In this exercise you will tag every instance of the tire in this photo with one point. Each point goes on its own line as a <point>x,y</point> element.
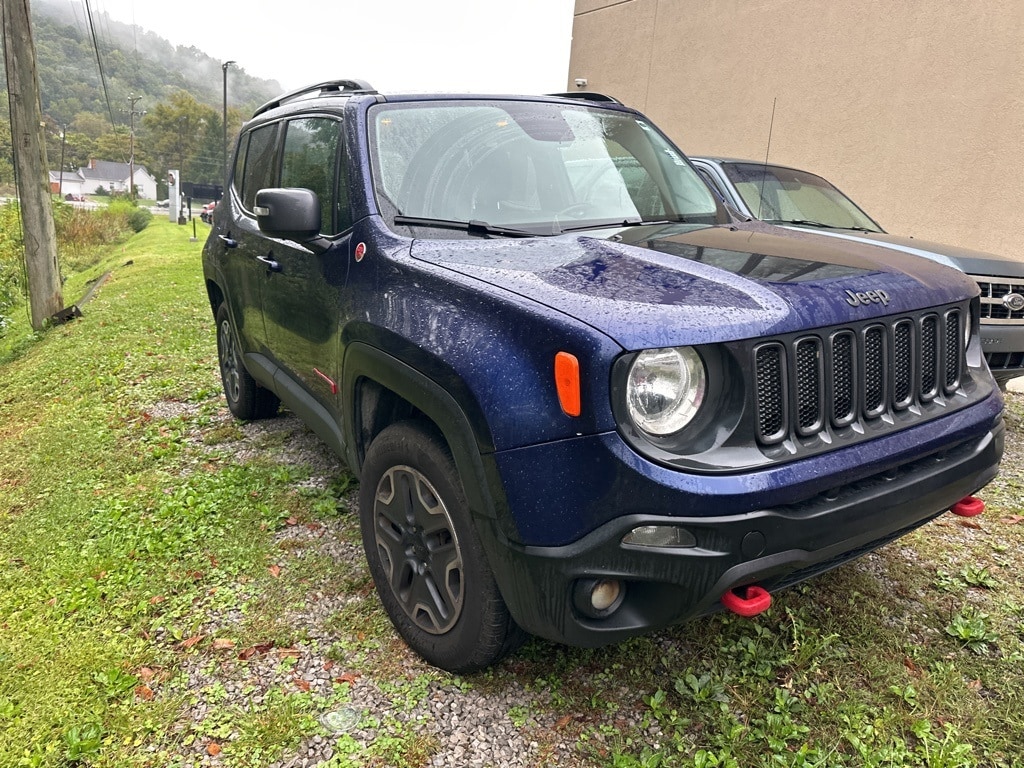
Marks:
<point>416,525</point>
<point>247,400</point>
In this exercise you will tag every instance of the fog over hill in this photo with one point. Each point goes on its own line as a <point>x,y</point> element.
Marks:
<point>134,61</point>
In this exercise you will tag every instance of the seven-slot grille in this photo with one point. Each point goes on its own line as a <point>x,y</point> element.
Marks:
<point>835,377</point>
<point>993,291</point>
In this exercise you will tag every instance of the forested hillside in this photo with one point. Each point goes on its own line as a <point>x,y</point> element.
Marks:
<point>180,89</point>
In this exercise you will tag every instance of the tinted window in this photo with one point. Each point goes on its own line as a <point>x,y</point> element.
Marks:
<point>309,161</point>
<point>260,169</point>
<point>239,171</point>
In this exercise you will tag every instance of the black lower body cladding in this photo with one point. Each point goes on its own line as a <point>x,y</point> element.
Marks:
<point>773,547</point>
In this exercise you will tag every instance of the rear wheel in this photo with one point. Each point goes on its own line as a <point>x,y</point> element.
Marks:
<point>424,554</point>
<point>246,399</point>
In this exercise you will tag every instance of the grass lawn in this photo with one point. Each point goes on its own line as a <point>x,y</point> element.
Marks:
<point>166,574</point>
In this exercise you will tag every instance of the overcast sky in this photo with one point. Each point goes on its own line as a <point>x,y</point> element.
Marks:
<point>513,46</point>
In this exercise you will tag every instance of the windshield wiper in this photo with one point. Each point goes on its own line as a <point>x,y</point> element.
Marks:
<point>623,223</point>
<point>809,223</point>
<point>472,227</point>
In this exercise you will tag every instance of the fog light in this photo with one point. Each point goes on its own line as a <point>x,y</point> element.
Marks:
<point>671,536</point>
<point>605,594</point>
<point>598,598</point>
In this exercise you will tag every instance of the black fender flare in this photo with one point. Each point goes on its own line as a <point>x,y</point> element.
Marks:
<point>467,437</point>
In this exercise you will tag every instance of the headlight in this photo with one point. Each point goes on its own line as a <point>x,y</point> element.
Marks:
<point>665,389</point>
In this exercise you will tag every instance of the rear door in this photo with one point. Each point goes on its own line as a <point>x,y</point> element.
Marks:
<point>243,246</point>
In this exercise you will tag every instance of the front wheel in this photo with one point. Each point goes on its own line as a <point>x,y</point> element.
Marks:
<point>246,399</point>
<point>425,557</point>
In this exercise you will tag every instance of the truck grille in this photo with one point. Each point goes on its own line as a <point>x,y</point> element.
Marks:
<point>833,378</point>
<point>993,292</point>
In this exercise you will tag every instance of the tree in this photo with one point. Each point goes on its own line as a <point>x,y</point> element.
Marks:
<point>178,133</point>
<point>90,124</point>
<point>112,146</point>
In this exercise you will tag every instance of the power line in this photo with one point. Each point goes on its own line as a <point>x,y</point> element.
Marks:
<point>78,20</point>
<point>99,62</point>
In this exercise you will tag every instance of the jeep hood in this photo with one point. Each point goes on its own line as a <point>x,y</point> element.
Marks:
<point>665,285</point>
<point>964,259</point>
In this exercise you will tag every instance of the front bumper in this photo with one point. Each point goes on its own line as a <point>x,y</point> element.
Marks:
<point>775,546</point>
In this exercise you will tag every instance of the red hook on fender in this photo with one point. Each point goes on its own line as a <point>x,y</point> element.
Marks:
<point>968,507</point>
<point>755,600</point>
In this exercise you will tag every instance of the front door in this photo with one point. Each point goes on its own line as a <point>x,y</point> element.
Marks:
<point>304,297</point>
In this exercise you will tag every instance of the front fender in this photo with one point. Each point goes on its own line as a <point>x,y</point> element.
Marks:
<point>459,420</point>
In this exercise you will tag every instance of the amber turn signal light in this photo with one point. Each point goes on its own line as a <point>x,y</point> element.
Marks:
<point>567,382</point>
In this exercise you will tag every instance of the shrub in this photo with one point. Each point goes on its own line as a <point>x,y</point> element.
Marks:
<point>139,219</point>
<point>11,261</point>
<point>133,217</point>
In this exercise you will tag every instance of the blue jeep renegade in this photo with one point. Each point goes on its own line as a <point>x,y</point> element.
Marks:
<point>582,401</point>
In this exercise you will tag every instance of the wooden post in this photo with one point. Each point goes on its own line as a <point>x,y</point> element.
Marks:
<point>40,238</point>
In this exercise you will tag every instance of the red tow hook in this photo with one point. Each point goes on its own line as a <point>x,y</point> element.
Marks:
<point>968,506</point>
<point>755,600</point>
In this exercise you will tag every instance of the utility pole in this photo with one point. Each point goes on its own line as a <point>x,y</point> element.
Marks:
<point>132,100</point>
<point>63,139</point>
<point>40,238</point>
<point>224,152</point>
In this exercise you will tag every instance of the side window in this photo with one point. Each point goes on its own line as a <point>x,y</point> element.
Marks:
<point>260,169</point>
<point>239,170</point>
<point>310,161</point>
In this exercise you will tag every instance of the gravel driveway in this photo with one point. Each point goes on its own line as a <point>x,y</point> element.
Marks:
<point>464,725</point>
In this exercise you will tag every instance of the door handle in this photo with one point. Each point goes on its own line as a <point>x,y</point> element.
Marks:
<point>272,266</point>
<point>228,241</point>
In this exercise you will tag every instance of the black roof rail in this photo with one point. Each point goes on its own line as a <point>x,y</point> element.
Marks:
<point>320,89</point>
<point>587,96</point>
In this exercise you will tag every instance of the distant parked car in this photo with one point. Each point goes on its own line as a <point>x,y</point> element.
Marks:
<point>791,197</point>
<point>207,212</point>
<point>163,203</point>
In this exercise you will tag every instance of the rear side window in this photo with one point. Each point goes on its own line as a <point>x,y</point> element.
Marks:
<point>239,170</point>
<point>260,169</point>
<point>310,161</point>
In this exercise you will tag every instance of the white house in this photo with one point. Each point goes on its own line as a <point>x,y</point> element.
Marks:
<point>68,184</point>
<point>111,176</point>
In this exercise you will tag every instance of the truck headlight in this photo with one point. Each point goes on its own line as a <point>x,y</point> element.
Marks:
<point>665,389</point>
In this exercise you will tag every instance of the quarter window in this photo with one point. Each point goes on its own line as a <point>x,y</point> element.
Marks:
<point>239,171</point>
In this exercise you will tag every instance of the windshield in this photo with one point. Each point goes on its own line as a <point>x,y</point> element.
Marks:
<point>537,167</point>
<point>784,195</point>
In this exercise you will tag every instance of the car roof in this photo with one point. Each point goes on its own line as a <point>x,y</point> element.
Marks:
<point>334,94</point>
<point>718,160</point>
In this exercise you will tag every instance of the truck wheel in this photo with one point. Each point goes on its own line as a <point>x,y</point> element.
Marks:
<point>246,399</point>
<point>424,554</point>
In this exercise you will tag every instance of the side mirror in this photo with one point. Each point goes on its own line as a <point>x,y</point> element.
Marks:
<point>291,214</point>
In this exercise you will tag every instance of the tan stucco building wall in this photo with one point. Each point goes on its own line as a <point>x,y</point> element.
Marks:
<point>914,108</point>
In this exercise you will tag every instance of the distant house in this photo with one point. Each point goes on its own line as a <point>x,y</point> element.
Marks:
<point>70,184</point>
<point>110,176</point>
